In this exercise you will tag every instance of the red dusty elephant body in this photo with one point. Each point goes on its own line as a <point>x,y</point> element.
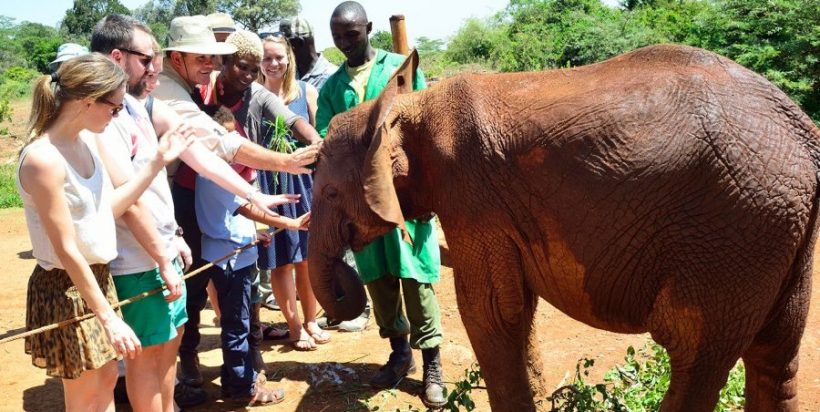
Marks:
<point>666,190</point>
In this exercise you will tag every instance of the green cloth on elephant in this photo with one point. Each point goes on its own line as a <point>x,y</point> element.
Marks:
<point>388,254</point>
<point>338,96</point>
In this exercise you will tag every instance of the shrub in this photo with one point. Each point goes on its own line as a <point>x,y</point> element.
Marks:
<point>637,385</point>
<point>8,188</point>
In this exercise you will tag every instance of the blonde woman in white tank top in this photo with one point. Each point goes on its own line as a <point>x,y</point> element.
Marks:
<point>70,208</point>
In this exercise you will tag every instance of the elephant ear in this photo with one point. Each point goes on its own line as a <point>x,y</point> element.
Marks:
<point>377,173</point>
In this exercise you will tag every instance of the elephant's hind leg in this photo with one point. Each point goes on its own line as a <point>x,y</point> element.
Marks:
<point>697,380</point>
<point>771,361</point>
<point>497,310</point>
<point>702,349</point>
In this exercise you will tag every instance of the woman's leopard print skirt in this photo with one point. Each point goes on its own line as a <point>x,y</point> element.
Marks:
<point>69,350</point>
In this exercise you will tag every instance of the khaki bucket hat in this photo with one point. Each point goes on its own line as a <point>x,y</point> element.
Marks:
<point>192,34</point>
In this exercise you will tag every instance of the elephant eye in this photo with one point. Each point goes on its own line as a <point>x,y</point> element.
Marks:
<point>330,193</point>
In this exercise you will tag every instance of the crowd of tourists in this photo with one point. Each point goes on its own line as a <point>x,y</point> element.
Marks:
<point>144,163</point>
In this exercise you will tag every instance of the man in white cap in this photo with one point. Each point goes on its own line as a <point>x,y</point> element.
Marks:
<point>189,62</point>
<point>65,52</point>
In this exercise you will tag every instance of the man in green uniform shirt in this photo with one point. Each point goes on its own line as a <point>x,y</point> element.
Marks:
<point>390,267</point>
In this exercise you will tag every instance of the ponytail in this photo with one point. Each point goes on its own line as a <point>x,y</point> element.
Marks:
<point>88,76</point>
<point>44,106</point>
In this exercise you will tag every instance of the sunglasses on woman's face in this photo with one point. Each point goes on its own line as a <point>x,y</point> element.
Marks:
<point>115,108</point>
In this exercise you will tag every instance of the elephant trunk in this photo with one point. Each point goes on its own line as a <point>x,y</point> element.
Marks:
<point>336,285</point>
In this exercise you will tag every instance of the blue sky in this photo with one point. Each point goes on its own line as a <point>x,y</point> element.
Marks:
<point>435,19</point>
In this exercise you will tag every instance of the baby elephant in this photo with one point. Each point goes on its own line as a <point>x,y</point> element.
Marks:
<point>667,190</point>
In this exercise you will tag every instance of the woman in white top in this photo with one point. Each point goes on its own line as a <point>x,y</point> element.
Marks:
<point>70,208</point>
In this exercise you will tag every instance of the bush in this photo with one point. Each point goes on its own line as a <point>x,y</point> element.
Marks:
<point>334,55</point>
<point>16,82</point>
<point>637,385</point>
<point>8,188</point>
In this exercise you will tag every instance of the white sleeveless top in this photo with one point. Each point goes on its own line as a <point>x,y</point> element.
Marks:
<point>89,201</point>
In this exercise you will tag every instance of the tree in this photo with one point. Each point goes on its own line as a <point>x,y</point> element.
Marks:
<point>157,14</point>
<point>194,7</point>
<point>39,43</point>
<point>474,42</point>
<point>426,45</point>
<point>382,40</point>
<point>778,39</point>
<point>79,21</point>
<point>257,14</point>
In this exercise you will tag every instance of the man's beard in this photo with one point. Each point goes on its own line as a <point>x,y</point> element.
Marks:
<point>137,89</point>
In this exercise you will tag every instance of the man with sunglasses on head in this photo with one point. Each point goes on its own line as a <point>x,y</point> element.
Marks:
<point>149,253</point>
<point>150,233</point>
<point>311,67</point>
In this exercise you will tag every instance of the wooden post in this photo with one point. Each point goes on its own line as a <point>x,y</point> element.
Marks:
<point>399,32</point>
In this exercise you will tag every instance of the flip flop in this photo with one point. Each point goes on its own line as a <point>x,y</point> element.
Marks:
<point>321,337</point>
<point>306,344</point>
<point>271,332</point>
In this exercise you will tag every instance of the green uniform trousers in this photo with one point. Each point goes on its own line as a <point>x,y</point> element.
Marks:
<point>423,320</point>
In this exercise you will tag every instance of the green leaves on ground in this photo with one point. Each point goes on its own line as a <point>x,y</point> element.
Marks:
<point>637,385</point>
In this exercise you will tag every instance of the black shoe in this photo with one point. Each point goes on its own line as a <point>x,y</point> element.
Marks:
<point>120,391</point>
<point>186,396</point>
<point>399,365</point>
<point>189,370</point>
<point>433,396</point>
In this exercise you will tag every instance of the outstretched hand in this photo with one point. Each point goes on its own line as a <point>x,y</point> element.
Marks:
<point>174,142</point>
<point>266,202</point>
<point>303,221</point>
<point>302,157</point>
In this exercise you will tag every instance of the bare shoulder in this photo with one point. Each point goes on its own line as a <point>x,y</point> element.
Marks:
<point>38,166</point>
<point>311,91</point>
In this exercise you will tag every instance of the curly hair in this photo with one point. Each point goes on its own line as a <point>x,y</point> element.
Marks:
<point>247,45</point>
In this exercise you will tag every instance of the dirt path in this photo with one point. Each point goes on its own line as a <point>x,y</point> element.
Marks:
<point>329,379</point>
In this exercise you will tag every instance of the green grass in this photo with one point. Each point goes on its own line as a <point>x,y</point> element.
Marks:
<point>8,189</point>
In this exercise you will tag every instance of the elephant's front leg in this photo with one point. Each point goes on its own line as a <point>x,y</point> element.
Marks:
<point>497,310</point>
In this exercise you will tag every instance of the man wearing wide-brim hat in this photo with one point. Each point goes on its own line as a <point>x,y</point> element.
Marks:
<point>222,25</point>
<point>188,63</point>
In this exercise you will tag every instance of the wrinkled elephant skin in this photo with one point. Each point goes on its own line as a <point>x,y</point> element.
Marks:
<point>666,190</point>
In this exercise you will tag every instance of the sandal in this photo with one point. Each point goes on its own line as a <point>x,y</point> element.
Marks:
<point>305,344</point>
<point>271,332</point>
<point>321,337</point>
<point>263,396</point>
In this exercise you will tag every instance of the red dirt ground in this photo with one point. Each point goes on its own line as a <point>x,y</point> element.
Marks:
<point>329,379</point>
